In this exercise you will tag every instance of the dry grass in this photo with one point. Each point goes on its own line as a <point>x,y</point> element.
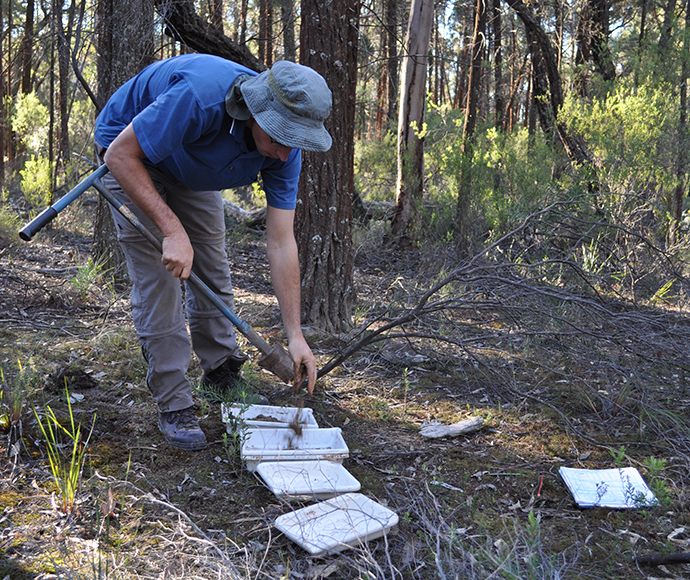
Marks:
<point>571,356</point>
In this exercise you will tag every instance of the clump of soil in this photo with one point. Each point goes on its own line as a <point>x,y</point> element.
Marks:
<point>72,378</point>
<point>266,418</point>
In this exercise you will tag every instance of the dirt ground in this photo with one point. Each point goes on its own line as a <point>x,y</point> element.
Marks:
<point>490,504</point>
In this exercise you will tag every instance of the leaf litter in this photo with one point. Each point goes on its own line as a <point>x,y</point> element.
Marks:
<point>542,403</point>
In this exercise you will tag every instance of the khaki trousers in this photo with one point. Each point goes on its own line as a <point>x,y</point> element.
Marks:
<point>158,308</point>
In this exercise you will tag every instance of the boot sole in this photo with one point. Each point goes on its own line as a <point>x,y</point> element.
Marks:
<point>188,446</point>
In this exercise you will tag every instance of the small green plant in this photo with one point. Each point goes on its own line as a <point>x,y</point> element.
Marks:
<point>13,395</point>
<point>658,486</point>
<point>9,222</point>
<point>236,433</point>
<point>87,275</point>
<point>66,466</point>
<point>654,466</point>
<point>522,555</point>
<point>379,410</point>
<point>232,443</point>
<point>663,294</point>
<point>618,455</point>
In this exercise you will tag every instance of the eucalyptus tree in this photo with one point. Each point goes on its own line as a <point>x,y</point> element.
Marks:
<point>328,43</point>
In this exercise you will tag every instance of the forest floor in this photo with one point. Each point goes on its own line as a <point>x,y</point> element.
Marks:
<point>490,504</point>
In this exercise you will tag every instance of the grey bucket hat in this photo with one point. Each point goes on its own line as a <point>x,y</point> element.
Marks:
<point>290,102</point>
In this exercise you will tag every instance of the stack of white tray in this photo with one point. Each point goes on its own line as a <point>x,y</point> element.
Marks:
<point>298,460</point>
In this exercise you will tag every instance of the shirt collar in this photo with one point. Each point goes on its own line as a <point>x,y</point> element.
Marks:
<point>237,129</point>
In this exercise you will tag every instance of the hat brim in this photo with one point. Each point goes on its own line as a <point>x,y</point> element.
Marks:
<point>281,123</point>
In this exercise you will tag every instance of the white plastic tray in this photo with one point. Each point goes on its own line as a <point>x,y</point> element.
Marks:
<point>336,524</point>
<point>285,445</point>
<point>267,416</point>
<point>307,479</point>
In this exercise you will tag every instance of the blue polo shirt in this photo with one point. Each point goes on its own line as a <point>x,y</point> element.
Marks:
<point>177,109</point>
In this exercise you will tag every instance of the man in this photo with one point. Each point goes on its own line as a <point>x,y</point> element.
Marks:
<point>173,137</point>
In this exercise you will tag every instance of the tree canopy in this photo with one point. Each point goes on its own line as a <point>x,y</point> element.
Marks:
<point>522,102</point>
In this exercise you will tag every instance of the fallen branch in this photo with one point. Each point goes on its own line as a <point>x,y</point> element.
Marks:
<point>660,559</point>
<point>435,430</point>
<point>253,218</point>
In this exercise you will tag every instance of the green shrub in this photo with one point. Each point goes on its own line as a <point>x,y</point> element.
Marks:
<point>30,120</point>
<point>36,182</point>
<point>631,134</point>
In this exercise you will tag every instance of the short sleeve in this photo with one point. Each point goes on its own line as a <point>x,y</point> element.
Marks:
<point>173,119</point>
<point>280,181</point>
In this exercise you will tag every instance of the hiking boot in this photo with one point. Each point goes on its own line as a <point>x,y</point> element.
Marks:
<point>226,376</point>
<point>181,429</point>
<point>223,384</point>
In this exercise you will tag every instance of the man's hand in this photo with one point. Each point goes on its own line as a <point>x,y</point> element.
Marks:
<point>305,363</point>
<point>125,160</point>
<point>178,255</point>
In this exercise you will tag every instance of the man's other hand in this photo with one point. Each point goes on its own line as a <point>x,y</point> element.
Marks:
<point>305,363</point>
<point>178,255</point>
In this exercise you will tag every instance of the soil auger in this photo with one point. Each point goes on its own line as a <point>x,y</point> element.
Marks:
<point>275,358</point>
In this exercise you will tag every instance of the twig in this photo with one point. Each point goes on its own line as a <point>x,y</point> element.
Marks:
<point>149,497</point>
<point>660,559</point>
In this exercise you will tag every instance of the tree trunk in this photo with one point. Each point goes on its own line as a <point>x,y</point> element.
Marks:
<point>76,67</point>
<point>392,9</point>
<point>243,23</point>
<point>436,61</point>
<point>465,59</point>
<point>592,40</point>
<point>497,46</point>
<point>27,48</point>
<point>63,50</point>
<point>558,9</point>
<point>548,89</point>
<point>583,53</point>
<point>287,17</point>
<point>410,179</point>
<point>601,53</point>
<point>51,98</point>
<point>266,32</point>
<point>468,130</point>
<point>640,40</point>
<point>9,149</point>
<point>3,92</point>
<point>328,40</point>
<point>189,28</point>
<point>382,116</point>
<point>475,75</point>
<point>124,36</point>
<point>666,33</point>
<point>263,34</point>
<point>682,162</point>
<point>643,22</point>
<point>532,108</point>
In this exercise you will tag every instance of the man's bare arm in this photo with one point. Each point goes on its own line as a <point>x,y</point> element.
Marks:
<point>124,159</point>
<point>284,262</point>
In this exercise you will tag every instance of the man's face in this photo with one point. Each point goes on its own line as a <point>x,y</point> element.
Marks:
<point>267,146</point>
